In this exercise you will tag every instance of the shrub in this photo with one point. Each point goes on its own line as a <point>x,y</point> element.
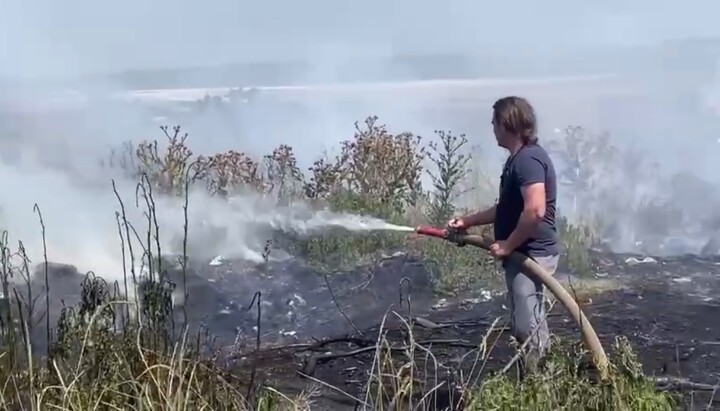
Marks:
<point>576,241</point>
<point>563,384</point>
<point>226,173</point>
<point>451,169</point>
<point>379,165</point>
<point>376,173</point>
<point>166,171</point>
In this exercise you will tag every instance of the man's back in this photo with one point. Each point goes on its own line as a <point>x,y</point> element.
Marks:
<point>531,164</point>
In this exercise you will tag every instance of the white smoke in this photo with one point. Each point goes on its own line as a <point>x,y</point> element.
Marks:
<point>82,226</point>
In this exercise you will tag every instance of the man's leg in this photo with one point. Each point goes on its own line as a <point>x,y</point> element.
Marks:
<point>527,306</point>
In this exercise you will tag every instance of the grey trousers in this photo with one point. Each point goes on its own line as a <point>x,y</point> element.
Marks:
<point>527,305</point>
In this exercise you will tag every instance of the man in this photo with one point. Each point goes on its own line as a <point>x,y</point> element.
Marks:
<point>524,218</point>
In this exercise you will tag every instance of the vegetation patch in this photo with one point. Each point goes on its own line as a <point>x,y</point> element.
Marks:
<point>563,383</point>
<point>109,353</point>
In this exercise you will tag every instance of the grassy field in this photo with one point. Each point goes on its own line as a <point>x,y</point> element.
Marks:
<point>108,353</point>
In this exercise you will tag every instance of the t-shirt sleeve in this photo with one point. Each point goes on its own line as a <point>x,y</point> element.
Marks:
<point>529,170</point>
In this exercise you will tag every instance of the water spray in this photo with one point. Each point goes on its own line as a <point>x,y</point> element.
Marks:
<point>533,269</point>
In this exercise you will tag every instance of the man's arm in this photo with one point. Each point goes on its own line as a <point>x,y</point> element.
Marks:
<point>481,217</point>
<point>530,173</point>
<point>533,213</point>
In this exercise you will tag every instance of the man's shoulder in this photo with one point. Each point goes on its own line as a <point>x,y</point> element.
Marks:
<point>533,152</point>
<point>533,163</point>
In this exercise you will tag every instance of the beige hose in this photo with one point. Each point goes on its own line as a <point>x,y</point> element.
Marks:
<point>532,268</point>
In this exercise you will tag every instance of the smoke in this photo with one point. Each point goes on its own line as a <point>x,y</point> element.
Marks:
<point>82,225</point>
<point>238,228</point>
<point>66,74</point>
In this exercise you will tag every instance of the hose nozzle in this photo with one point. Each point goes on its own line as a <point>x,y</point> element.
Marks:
<point>432,231</point>
<point>448,234</point>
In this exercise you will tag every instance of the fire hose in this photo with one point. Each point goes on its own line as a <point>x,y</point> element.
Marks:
<point>534,270</point>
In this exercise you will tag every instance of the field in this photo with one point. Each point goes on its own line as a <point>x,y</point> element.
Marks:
<point>580,98</point>
<point>317,349</point>
<point>430,89</point>
<point>339,319</point>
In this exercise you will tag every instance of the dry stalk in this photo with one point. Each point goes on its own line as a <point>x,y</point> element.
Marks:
<point>339,307</point>
<point>126,224</point>
<point>47,279</point>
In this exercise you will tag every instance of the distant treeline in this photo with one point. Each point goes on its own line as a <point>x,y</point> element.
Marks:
<point>694,56</point>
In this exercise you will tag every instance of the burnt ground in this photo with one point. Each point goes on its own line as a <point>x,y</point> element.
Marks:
<point>667,308</point>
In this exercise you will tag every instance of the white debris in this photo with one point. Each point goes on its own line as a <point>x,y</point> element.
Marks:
<point>288,333</point>
<point>217,261</point>
<point>485,295</point>
<point>633,260</point>
<point>393,255</point>
<point>442,303</point>
<point>471,301</point>
<point>682,279</point>
<point>301,301</point>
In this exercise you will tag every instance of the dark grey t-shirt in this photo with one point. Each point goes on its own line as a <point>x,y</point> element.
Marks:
<point>531,164</point>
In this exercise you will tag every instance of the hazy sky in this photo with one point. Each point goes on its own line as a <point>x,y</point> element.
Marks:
<point>67,36</point>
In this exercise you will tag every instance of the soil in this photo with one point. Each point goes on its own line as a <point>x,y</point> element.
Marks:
<point>668,309</point>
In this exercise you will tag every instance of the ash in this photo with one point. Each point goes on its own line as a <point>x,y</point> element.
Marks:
<point>297,302</point>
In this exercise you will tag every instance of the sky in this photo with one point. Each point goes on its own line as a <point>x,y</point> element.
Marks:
<point>40,37</point>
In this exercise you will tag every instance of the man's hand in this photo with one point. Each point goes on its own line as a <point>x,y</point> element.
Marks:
<point>457,223</point>
<point>500,249</point>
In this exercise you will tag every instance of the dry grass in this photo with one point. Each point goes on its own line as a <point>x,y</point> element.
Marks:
<point>406,375</point>
<point>111,354</point>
